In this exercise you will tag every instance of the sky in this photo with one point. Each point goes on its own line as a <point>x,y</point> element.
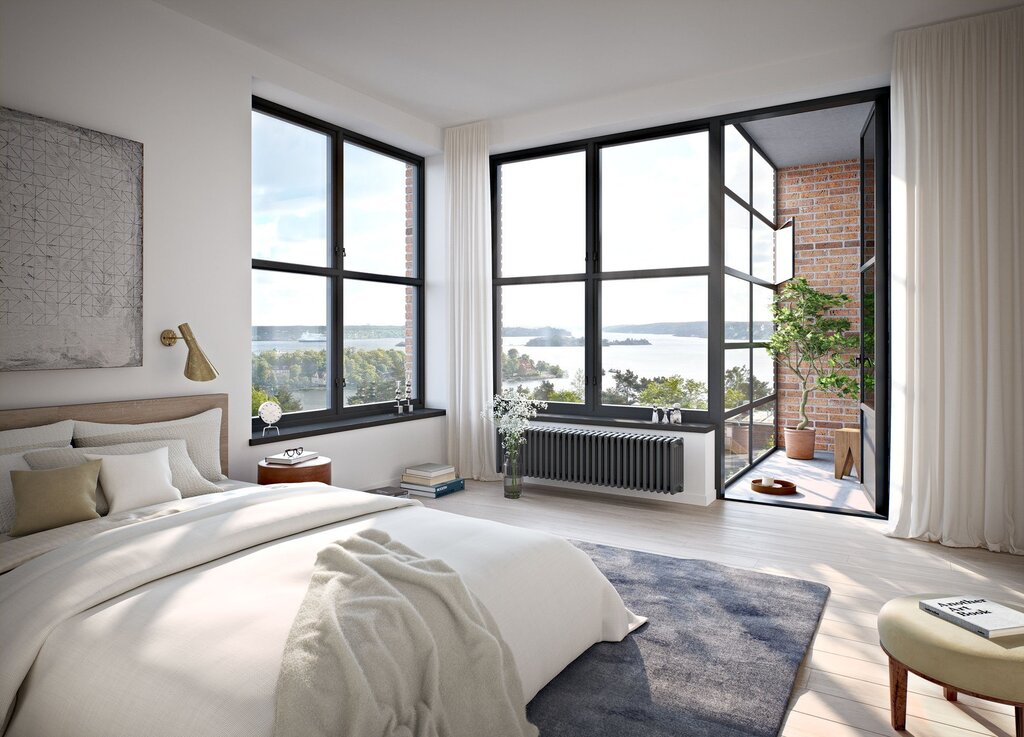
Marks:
<point>290,223</point>
<point>653,215</point>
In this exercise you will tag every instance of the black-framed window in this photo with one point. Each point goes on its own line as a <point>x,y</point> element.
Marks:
<point>754,264</point>
<point>337,269</point>
<point>601,273</point>
<point>563,259</point>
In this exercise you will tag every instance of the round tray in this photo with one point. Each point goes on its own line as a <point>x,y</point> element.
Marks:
<point>781,488</point>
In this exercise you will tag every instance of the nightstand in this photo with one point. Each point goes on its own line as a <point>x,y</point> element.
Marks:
<point>317,469</point>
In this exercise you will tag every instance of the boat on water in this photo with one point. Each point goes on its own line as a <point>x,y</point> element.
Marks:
<point>309,337</point>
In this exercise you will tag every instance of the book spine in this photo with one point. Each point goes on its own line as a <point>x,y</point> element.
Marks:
<point>424,481</point>
<point>433,494</point>
<point>456,485</point>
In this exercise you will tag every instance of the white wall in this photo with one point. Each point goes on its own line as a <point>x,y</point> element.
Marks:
<point>135,69</point>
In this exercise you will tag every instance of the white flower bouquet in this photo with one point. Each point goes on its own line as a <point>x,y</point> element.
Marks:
<point>511,413</point>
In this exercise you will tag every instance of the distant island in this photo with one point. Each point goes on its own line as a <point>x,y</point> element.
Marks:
<point>512,332</point>
<point>734,329</point>
<point>351,332</point>
<point>558,341</point>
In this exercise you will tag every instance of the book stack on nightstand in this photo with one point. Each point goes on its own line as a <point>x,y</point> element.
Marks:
<point>432,480</point>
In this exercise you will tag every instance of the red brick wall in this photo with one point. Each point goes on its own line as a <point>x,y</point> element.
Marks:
<point>825,201</point>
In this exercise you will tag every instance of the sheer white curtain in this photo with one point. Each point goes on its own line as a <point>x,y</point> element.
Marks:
<point>471,447</point>
<point>958,281</point>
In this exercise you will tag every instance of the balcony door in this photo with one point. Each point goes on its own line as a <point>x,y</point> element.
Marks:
<point>874,275</point>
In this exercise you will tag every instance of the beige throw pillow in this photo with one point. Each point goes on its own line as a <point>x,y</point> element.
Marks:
<point>47,499</point>
<point>184,474</point>
<point>200,432</point>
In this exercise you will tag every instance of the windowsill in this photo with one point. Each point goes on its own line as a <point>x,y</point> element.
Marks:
<point>695,427</point>
<point>349,423</point>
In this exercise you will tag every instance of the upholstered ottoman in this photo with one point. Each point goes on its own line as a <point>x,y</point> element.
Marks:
<point>943,653</point>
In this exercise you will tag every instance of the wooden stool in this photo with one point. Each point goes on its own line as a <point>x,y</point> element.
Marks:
<point>950,656</point>
<point>847,444</point>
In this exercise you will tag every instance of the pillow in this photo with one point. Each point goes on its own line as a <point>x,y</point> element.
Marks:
<point>201,434</point>
<point>184,475</point>
<point>47,499</point>
<point>136,481</point>
<point>8,463</point>
<point>57,435</point>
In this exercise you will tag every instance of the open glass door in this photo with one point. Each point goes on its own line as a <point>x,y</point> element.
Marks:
<point>873,358</point>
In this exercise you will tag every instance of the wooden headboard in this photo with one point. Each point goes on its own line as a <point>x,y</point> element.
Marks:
<point>130,411</point>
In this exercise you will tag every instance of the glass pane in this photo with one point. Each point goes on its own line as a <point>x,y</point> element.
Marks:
<point>289,192</point>
<point>379,213</point>
<point>378,342</point>
<point>737,310</point>
<point>867,191</point>
<point>654,204</point>
<point>763,250</point>
<point>784,253</point>
<point>737,378</point>
<point>763,325</point>
<point>737,236</point>
<point>289,340</point>
<point>764,374</point>
<point>542,217</point>
<point>868,335</point>
<point>542,348</point>
<point>654,342</point>
<point>764,187</point>
<point>762,432</point>
<point>737,444</point>
<point>737,163</point>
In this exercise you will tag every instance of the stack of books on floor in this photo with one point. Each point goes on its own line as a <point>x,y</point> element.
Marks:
<point>432,479</point>
<point>389,491</point>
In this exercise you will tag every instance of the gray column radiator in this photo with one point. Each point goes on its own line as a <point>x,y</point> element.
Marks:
<point>605,458</point>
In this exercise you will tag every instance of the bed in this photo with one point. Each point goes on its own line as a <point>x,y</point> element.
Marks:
<point>173,618</point>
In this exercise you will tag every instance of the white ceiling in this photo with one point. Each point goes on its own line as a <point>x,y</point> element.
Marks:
<point>814,137</point>
<point>455,61</point>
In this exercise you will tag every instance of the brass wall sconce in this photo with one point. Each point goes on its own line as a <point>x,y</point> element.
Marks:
<point>197,365</point>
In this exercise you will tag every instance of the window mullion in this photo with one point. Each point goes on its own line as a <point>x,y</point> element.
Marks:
<point>335,362</point>
<point>591,299</point>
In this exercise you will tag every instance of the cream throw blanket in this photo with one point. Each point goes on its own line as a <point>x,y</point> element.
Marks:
<point>388,642</point>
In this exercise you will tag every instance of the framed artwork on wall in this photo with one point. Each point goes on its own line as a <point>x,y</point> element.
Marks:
<point>70,246</point>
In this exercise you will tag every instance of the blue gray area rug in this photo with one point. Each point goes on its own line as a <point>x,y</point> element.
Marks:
<point>718,657</point>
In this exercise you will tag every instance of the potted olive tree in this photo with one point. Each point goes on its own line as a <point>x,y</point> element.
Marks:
<point>812,343</point>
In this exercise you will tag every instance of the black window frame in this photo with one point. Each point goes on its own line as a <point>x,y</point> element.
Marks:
<point>715,415</point>
<point>749,345</point>
<point>593,277</point>
<point>335,273</point>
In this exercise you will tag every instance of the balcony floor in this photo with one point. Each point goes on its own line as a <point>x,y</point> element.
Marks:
<point>815,482</point>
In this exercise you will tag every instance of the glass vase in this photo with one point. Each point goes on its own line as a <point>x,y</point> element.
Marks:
<point>513,476</point>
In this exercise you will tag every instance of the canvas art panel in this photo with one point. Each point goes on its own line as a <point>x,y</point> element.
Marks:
<point>70,246</point>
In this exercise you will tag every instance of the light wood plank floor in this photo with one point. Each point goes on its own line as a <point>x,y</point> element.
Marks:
<point>842,689</point>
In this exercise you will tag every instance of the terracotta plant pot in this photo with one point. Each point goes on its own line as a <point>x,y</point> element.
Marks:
<point>799,443</point>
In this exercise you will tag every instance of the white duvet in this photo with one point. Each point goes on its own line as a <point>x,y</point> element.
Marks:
<point>176,625</point>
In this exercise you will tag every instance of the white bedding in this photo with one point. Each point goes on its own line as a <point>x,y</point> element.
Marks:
<point>186,634</point>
